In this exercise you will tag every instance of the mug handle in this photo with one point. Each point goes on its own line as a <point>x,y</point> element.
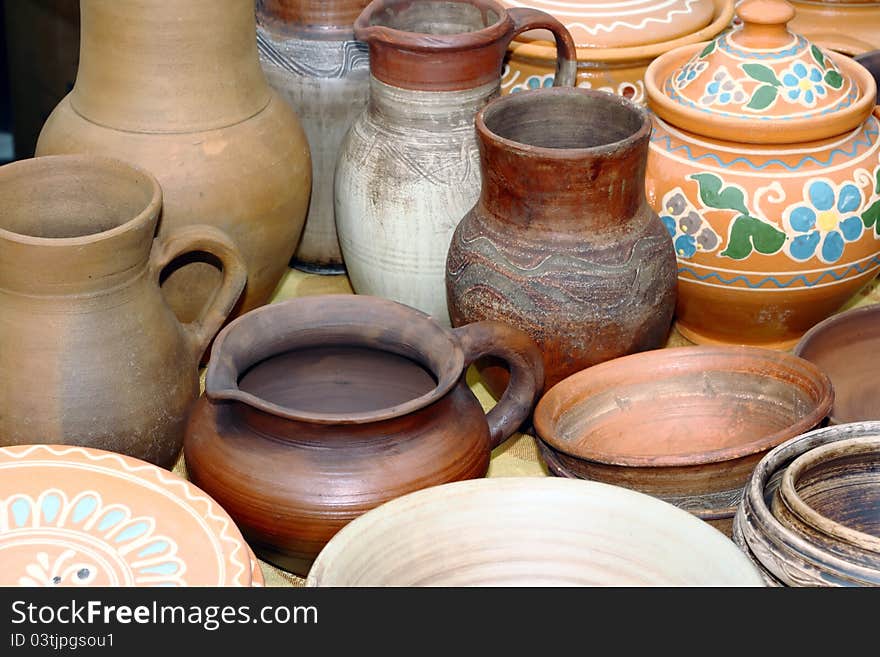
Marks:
<point>566,52</point>
<point>214,241</point>
<point>526,364</point>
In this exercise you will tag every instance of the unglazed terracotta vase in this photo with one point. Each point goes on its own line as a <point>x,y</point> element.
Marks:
<point>848,26</point>
<point>846,346</point>
<point>686,425</point>
<point>530,531</point>
<point>311,58</point>
<point>765,167</point>
<point>92,353</point>
<point>176,88</point>
<point>79,517</point>
<point>809,515</point>
<point>409,168</point>
<point>615,44</point>
<point>562,242</point>
<point>321,408</point>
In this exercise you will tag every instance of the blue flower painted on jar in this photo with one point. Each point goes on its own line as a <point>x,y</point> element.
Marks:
<point>687,228</point>
<point>534,82</point>
<point>690,71</point>
<point>825,222</point>
<point>803,84</point>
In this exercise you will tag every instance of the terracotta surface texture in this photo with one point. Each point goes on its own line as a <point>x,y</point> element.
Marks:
<point>176,88</point>
<point>530,532</point>
<point>586,269</point>
<point>615,44</point>
<point>71,516</point>
<point>293,459</point>
<point>409,169</point>
<point>851,27</point>
<point>99,358</point>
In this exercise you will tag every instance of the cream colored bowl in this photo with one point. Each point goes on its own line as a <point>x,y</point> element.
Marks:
<point>530,532</point>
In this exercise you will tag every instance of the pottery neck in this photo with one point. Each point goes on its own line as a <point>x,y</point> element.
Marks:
<point>557,187</point>
<point>168,66</point>
<point>441,112</point>
<point>315,19</point>
<point>74,224</point>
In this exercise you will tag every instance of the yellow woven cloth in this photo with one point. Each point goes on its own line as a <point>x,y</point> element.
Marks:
<point>517,457</point>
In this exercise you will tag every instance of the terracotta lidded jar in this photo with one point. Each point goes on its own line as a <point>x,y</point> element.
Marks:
<point>311,58</point>
<point>321,408</point>
<point>615,41</point>
<point>176,88</point>
<point>409,169</point>
<point>92,353</point>
<point>562,242</point>
<point>765,168</point>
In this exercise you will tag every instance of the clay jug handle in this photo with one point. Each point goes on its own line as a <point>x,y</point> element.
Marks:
<point>526,364</point>
<point>566,51</point>
<point>214,241</point>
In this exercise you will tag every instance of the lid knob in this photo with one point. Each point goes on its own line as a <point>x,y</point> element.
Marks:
<point>764,24</point>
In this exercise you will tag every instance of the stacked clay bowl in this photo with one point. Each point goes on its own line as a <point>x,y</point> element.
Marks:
<point>846,347</point>
<point>809,516</point>
<point>529,532</point>
<point>615,45</point>
<point>687,425</point>
<point>74,516</point>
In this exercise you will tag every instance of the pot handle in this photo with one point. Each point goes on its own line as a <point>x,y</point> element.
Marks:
<point>566,51</point>
<point>214,241</point>
<point>526,364</point>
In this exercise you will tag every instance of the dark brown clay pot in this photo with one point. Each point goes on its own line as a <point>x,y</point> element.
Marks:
<point>846,347</point>
<point>871,61</point>
<point>562,242</point>
<point>809,513</point>
<point>91,353</point>
<point>686,425</point>
<point>321,408</point>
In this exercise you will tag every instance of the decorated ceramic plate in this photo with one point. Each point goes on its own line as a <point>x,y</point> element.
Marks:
<point>72,516</point>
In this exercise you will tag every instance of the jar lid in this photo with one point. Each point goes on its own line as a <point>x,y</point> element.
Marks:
<point>626,23</point>
<point>759,83</point>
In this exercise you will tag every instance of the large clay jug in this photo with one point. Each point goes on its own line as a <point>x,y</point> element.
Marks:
<point>562,243</point>
<point>311,58</point>
<point>409,167</point>
<point>90,352</point>
<point>176,88</point>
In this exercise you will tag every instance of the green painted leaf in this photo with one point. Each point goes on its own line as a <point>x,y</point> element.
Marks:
<point>715,195</point>
<point>871,217</point>
<point>763,97</point>
<point>877,190</point>
<point>750,234</point>
<point>762,74</point>
<point>710,47</point>
<point>834,79</point>
<point>818,56</point>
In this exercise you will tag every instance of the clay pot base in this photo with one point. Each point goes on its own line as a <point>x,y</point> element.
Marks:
<point>338,379</point>
<point>331,269</point>
<point>699,338</point>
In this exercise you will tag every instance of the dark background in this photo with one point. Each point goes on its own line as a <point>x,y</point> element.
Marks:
<point>39,51</point>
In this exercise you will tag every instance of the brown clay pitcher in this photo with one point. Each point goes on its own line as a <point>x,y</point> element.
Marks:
<point>176,88</point>
<point>562,242</point>
<point>90,352</point>
<point>320,408</point>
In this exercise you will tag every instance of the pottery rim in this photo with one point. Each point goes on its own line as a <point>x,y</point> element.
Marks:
<point>593,100</point>
<point>543,50</point>
<point>365,30</point>
<point>546,417</point>
<point>221,380</point>
<point>92,163</point>
<point>866,445</point>
<point>739,130</point>
<point>772,531</point>
<point>820,328</point>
